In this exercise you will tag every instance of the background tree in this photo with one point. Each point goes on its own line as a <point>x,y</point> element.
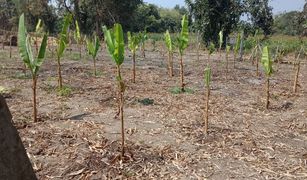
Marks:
<point>261,15</point>
<point>212,16</point>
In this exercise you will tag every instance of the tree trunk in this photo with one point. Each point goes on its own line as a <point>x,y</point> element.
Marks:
<point>208,62</point>
<point>267,92</point>
<point>60,83</point>
<point>121,112</point>
<point>296,77</point>
<point>181,74</point>
<point>133,67</point>
<point>207,110</point>
<point>143,49</point>
<point>14,163</point>
<point>34,81</point>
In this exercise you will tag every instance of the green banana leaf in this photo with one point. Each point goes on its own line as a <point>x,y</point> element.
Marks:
<point>228,48</point>
<point>207,76</point>
<point>93,46</point>
<point>266,61</point>
<point>168,41</point>
<point>211,48</point>
<point>62,43</point>
<point>221,39</point>
<point>183,39</point>
<point>133,42</point>
<point>25,49</point>
<point>115,43</point>
<point>22,40</point>
<point>41,54</point>
<point>77,32</point>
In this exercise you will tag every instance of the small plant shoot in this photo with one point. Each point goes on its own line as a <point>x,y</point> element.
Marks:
<point>133,44</point>
<point>227,57</point>
<point>267,64</point>
<point>62,43</point>
<point>207,84</point>
<point>33,63</point>
<point>169,45</point>
<point>78,38</point>
<point>236,49</point>
<point>93,48</point>
<point>211,49</point>
<point>183,41</point>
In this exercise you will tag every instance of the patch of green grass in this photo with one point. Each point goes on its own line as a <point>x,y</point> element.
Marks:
<point>65,91</point>
<point>3,90</point>
<point>92,74</point>
<point>146,101</point>
<point>21,75</point>
<point>177,90</point>
<point>74,56</point>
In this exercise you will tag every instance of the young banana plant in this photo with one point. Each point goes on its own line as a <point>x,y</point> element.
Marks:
<point>221,41</point>
<point>133,44</point>
<point>211,49</point>
<point>33,63</point>
<point>116,46</point>
<point>182,42</point>
<point>236,49</point>
<point>256,52</point>
<point>207,84</point>
<point>61,46</point>
<point>267,64</point>
<point>78,38</point>
<point>169,45</point>
<point>93,48</point>
<point>143,39</point>
<point>297,65</point>
<point>38,31</point>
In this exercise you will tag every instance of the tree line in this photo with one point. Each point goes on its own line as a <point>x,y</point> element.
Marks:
<point>208,17</point>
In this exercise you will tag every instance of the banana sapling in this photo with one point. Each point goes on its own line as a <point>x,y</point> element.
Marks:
<point>267,64</point>
<point>93,48</point>
<point>169,45</point>
<point>207,84</point>
<point>182,42</point>
<point>116,46</point>
<point>33,63</point>
<point>61,46</point>
<point>133,45</point>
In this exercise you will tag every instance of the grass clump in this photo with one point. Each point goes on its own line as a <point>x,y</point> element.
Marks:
<point>65,91</point>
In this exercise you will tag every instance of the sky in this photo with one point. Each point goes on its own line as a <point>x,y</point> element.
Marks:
<point>278,5</point>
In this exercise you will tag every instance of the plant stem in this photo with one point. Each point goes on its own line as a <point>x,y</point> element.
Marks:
<point>95,72</point>
<point>80,50</point>
<point>170,63</point>
<point>133,68</point>
<point>226,64</point>
<point>234,60</point>
<point>34,81</point>
<point>257,67</point>
<point>296,77</point>
<point>10,47</point>
<point>121,112</point>
<point>207,109</point>
<point>181,74</point>
<point>60,83</point>
<point>267,92</point>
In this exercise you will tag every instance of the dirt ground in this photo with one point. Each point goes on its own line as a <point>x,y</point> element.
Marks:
<point>78,136</point>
